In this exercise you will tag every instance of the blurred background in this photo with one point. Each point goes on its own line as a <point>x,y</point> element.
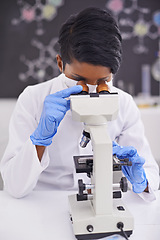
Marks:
<point>28,42</point>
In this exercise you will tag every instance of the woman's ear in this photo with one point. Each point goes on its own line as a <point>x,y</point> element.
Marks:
<point>110,78</point>
<point>59,62</point>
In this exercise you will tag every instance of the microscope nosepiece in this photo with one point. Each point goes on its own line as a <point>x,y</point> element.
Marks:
<point>85,139</point>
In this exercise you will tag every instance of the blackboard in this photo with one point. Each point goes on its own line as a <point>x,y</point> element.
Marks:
<point>29,30</point>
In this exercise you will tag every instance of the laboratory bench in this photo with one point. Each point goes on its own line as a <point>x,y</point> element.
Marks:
<point>44,215</point>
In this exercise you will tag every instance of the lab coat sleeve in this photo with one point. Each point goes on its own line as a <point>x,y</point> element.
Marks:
<point>133,134</point>
<point>20,166</point>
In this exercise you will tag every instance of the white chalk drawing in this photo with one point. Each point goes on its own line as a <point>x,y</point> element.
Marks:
<point>40,11</point>
<point>44,67</point>
<point>139,28</point>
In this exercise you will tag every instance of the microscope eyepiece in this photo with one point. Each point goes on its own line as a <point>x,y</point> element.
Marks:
<point>102,88</point>
<point>85,88</point>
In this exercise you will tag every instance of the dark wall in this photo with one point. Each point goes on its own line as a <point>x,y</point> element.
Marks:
<point>28,45</point>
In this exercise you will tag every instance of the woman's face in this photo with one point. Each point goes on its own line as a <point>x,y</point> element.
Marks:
<point>86,72</point>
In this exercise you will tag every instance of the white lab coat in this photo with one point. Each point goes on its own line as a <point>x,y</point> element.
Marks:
<point>20,167</point>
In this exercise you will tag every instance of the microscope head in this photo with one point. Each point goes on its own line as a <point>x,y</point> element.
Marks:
<point>94,108</point>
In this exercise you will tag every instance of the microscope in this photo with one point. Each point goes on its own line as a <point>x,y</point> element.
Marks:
<point>97,210</point>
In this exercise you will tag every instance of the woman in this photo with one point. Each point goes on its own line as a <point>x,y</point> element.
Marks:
<point>43,138</point>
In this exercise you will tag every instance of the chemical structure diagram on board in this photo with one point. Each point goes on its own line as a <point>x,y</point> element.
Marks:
<point>140,28</point>
<point>44,66</point>
<point>39,11</point>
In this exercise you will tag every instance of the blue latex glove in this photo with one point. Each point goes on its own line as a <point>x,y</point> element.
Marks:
<point>54,109</point>
<point>135,173</point>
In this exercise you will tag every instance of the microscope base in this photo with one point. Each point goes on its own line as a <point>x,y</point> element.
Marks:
<point>87,225</point>
<point>94,236</point>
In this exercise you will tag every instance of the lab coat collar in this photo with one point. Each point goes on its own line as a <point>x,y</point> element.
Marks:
<point>58,84</point>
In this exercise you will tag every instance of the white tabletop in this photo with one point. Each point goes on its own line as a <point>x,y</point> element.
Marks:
<point>44,216</point>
